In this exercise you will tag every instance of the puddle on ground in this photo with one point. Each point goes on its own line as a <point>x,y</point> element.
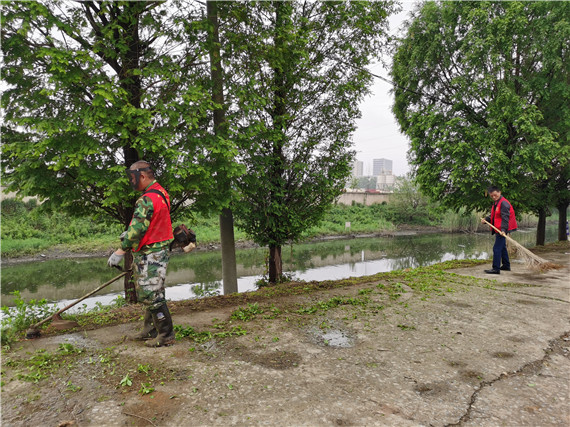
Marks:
<point>336,338</point>
<point>332,336</point>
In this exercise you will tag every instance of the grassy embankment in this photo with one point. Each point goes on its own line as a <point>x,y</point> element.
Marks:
<point>29,229</point>
<point>427,281</point>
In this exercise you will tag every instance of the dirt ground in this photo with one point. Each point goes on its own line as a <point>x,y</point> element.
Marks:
<point>421,347</point>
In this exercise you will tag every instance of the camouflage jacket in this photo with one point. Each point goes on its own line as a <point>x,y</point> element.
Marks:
<point>139,225</point>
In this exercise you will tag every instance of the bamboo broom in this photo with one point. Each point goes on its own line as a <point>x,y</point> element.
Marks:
<point>533,261</point>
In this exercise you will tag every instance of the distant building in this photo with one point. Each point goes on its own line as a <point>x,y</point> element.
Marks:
<point>382,170</point>
<point>385,182</point>
<point>358,168</point>
<point>381,167</point>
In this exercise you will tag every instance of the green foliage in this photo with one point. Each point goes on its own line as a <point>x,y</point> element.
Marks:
<point>247,313</point>
<point>333,303</point>
<point>482,92</point>
<point>99,237</point>
<point>463,220</point>
<point>366,182</point>
<point>67,348</point>
<point>42,363</point>
<point>146,388</point>
<point>203,336</point>
<point>27,227</point>
<point>19,318</point>
<point>296,90</point>
<point>93,87</point>
<point>126,381</point>
<point>408,205</point>
<point>363,219</point>
<point>101,314</point>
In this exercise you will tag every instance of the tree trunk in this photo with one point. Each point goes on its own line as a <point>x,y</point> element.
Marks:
<point>283,12</point>
<point>541,228</point>
<point>562,221</point>
<point>275,263</point>
<point>229,273</point>
<point>130,82</point>
<point>229,270</point>
<point>130,289</point>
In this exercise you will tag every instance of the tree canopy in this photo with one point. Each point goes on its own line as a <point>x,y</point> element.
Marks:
<point>94,86</point>
<point>300,67</point>
<point>482,91</point>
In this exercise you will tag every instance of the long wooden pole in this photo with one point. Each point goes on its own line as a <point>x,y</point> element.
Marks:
<point>79,300</point>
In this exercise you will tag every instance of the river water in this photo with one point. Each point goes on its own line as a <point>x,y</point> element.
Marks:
<point>200,273</point>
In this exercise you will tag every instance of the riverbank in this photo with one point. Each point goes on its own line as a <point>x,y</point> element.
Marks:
<point>63,252</point>
<point>31,232</point>
<point>441,345</point>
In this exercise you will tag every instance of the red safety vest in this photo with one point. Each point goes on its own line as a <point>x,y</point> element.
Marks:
<point>496,218</point>
<point>160,228</point>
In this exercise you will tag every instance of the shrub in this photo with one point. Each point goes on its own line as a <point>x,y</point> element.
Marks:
<point>19,318</point>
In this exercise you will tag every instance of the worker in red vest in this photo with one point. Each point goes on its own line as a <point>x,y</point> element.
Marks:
<point>148,237</point>
<point>503,218</point>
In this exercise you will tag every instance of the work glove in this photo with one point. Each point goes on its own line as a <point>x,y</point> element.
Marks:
<point>114,260</point>
<point>122,236</point>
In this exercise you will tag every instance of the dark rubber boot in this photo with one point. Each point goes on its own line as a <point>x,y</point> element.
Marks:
<point>148,331</point>
<point>163,323</point>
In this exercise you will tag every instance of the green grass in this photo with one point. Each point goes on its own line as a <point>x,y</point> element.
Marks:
<point>29,229</point>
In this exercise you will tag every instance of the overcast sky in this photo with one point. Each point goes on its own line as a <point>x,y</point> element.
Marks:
<point>378,134</point>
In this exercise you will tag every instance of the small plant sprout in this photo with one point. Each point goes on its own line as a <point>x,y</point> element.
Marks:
<point>146,388</point>
<point>126,381</point>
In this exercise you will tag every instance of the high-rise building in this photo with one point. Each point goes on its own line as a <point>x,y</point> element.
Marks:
<point>381,167</point>
<point>357,168</point>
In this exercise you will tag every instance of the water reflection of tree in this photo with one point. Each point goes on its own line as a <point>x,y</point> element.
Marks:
<point>206,266</point>
<point>207,289</point>
<point>57,273</point>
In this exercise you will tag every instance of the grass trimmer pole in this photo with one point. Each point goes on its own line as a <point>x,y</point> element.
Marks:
<point>34,332</point>
<point>531,260</point>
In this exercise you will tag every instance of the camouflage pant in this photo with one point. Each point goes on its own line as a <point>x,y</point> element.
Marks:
<point>150,275</point>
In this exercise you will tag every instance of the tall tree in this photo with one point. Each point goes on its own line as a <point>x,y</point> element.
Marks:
<point>301,65</point>
<point>94,86</point>
<point>229,269</point>
<point>475,86</point>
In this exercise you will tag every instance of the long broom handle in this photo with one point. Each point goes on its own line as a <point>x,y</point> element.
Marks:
<point>503,234</point>
<point>495,228</point>
<point>81,299</point>
<point>543,264</point>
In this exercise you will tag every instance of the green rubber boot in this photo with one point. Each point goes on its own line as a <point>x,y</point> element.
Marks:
<point>163,324</point>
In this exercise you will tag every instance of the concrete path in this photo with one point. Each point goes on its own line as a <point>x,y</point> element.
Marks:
<point>435,349</point>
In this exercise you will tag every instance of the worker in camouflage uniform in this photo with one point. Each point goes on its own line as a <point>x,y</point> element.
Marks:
<point>148,237</point>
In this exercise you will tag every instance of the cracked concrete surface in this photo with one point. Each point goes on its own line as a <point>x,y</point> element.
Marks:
<point>482,352</point>
<point>540,408</point>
